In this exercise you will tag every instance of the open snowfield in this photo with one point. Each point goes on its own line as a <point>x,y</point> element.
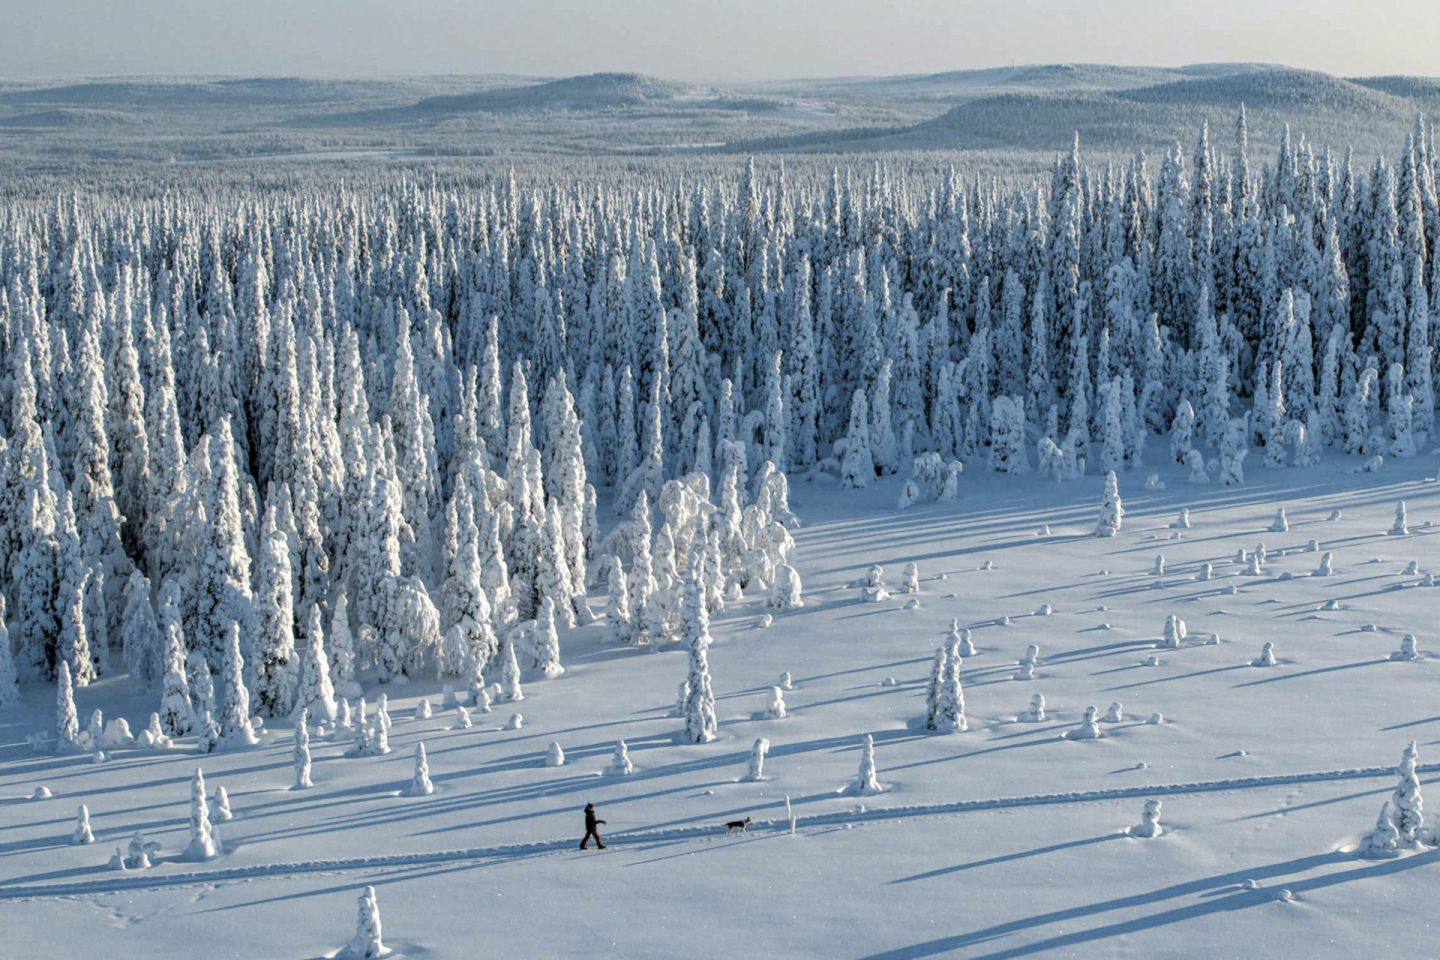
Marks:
<point>1003,841</point>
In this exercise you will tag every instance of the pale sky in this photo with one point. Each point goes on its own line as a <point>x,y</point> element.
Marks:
<point>716,41</point>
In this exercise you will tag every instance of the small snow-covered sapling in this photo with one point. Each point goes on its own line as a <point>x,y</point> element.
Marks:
<point>1036,713</point>
<point>1409,649</point>
<point>81,834</point>
<point>1149,826</point>
<point>516,721</point>
<point>775,707</point>
<point>1174,632</point>
<point>1182,522</point>
<point>1158,570</point>
<point>873,590</point>
<point>422,709</point>
<point>1116,713</point>
<point>1327,560</point>
<point>910,579</point>
<point>301,752</point>
<point>785,682</point>
<point>420,785</point>
<point>866,780</point>
<point>222,805</point>
<point>1089,728</point>
<point>1206,572</point>
<point>620,765</point>
<point>462,718</point>
<point>154,736</point>
<point>1383,841</point>
<point>1281,523</point>
<point>1401,526</point>
<point>139,858</point>
<point>366,944</point>
<point>967,646</point>
<point>1267,656</point>
<point>554,755</point>
<point>203,843</point>
<point>758,751</point>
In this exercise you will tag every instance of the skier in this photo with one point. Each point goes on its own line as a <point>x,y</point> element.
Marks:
<point>590,828</point>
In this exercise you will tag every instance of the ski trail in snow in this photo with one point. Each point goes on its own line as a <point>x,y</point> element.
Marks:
<point>705,831</point>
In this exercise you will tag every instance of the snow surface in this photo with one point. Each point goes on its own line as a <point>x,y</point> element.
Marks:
<point>1003,841</point>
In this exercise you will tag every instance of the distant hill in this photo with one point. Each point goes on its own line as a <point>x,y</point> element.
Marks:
<point>1371,115</point>
<point>1031,109</point>
<point>596,91</point>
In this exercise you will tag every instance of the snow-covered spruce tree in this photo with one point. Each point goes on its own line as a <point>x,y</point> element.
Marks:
<point>1007,436</point>
<point>411,628</point>
<point>785,591</point>
<point>140,636</point>
<point>200,684</point>
<point>1233,450</point>
<point>420,785</point>
<point>857,467</point>
<point>72,646</point>
<point>342,649</point>
<point>1406,805</point>
<point>617,605</point>
<point>1182,431</point>
<point>884,448</point>
<point>233,708</point>
<point>545,656</point>
<point>933,688</point>
<point>301,751</point>
<point>316,695</point>
<point>274,663</point>
<point>222,572</point>
<point>67,723</point>
<point>366,944</point>
<point>9,685</point>
<point>1112,511</point>
<point>204,844</point>
<point>951,704</point>
<point>700,722</point>
<point>866,780</point>
<point>469,639</point>
<point>510,690</point>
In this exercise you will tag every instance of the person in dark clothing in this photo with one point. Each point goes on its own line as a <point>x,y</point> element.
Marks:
<point>590,828</point>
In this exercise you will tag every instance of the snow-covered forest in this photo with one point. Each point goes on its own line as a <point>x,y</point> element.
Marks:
<point>274,457</point>
<point>397,417</point>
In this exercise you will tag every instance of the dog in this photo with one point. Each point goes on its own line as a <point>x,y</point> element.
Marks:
<point>737,825</point>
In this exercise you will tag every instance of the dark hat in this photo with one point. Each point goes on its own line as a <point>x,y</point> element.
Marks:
<point>589,806</point>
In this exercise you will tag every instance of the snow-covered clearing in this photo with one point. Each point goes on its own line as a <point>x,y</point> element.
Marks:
<point>1005,840</point>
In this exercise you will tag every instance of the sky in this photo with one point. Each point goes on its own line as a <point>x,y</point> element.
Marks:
<point>702,40</point>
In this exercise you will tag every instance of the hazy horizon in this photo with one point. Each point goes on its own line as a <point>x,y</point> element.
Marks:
<point>735,41</point>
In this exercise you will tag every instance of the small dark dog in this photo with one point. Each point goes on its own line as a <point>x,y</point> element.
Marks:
<point>737,825</point>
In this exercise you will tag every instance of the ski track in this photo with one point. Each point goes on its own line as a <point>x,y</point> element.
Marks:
<point>9,892</point>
